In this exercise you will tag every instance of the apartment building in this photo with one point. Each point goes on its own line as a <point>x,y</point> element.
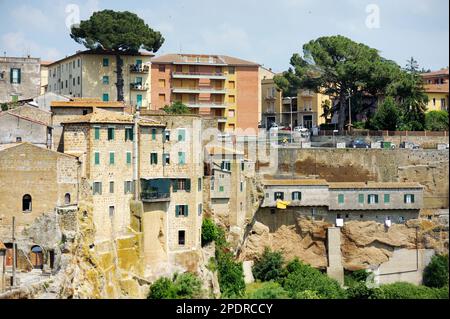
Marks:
<point>219,86</point>
<point>271,103</point>
<point>93,74</point>
<point>395,202</point>
<point>20,78</point>
<point>436,87</point>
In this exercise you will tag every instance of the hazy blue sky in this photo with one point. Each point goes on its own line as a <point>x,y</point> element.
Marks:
<point>264,31</point>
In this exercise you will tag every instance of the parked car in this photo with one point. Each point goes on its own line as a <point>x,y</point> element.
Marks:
<point>274,127</point>
<point>410,145</point>
<point>359,144</point>
<point>298,129</point>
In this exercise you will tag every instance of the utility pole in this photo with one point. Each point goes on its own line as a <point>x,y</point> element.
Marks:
<point>13,278</point>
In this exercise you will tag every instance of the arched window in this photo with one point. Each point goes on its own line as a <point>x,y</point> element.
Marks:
<point>67,199</point>
<point>37,257</point>
<point>26,203</point>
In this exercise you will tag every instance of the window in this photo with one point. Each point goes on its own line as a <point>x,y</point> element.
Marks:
<point>241,187</point>
<point>231,113</point>
<point>199,184</point>
<point>162,83</point>
<point>434,102</point>
<point>18,139</point>
<point>128,187</point>
<point>296,196</point>
<point>181,237</point>
<point>278,196</point>
<point>181,158</point>
<point>73,64</point>
<point>96,158</point>
<point>361,198</point>
<point>105,62</point>
<point>111,211</point>
<point>226,166</point>
<point>162,97</point>
<point>162,68</point>
<point>183,184</point>
<point>105,97</point>
<point>73,81</point>
<point>97,133</point>
<point>200,209</point>
<point>111,158</point>
<point>66,84</point>
<point>242,166</point>
<point>97,187</point>
<point>341,198</point>
<point>231,85</point>
<point>181,135</point>
<point>153,158</point>
<point>67,199</point>
<point>212,183</point>
<point>181,210</point>
<point>15,76</point>
<point>443,105</point>
<point>372,199</point>
<point>387,198</point>
<point>128,158</point>
<point>166,159</point>
<point>153,134</point>
<point>221,188</point>
<point>110,133</point>
<point>79,62</point>
<point>111,187</point>
<point>408,198</point>
<point>128,134</point>
<point>78,80</point>
<point>231,70</point>
<point>26,203</point>
<point>105,79</point>
<point>167,136</point>
<point>231,99</point>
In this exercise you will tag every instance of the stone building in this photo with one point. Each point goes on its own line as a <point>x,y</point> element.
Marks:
<point>20,78</point>
<point>26,123</point>
<point>388,202</point>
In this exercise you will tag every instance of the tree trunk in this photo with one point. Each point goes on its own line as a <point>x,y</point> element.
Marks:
<point>119,83</point>
<point>342,108</point>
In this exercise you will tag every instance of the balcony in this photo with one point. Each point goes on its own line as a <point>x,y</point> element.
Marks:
<point>207,104</point>
<point>138,87</point>
<point>139,68</point>
<point>199,89</point>
<point>155,197</point>
<point>198,75</point>
<point>270,97</point>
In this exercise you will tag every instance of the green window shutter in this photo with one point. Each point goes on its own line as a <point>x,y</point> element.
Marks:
<point>19,75</point>
<point>222,165</point>
<point>186,211</point>
<point>128,158</point>
<point>341,198</point>
<point>361,198</point>
<point>220,188</point>
<point>97,133</point>
<point>111,158</point>
<point>412,198</point>
<point>97,158</point>
<point>11,76</point>
<point>153,134</point>
<point>177,210</point>
<point>199,184</point>
<point>188,185</point>
<point>376,199</point>
<point>387,198</point>
<point>181,135</point>
<point>175,185</point>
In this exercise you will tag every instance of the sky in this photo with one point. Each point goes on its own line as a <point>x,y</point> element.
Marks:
<point>264,31</point>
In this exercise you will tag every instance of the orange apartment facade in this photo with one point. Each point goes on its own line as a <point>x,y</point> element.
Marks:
<point>216,86</point>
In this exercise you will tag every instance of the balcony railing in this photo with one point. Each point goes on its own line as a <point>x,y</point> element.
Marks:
<point>139,68</point>
<point>155,197</point>
<point>138,86</point>
<point>199,89</point>
<point>198,75</point>
<point>212,105</point>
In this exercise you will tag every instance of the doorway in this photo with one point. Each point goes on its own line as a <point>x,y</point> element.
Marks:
<point>37,257</point>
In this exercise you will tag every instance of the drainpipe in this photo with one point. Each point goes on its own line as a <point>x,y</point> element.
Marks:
<point>135,155</point>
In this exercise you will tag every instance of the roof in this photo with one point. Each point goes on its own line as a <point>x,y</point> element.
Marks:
<point>101,52</point>
<point>83,102</point>
<point>12,145</point>
<point>295,182</point>
<point>24,118</point>
<point>46,63</point>
<point>218,59</point>
<point>102,116</point>
<point>436,73</point>
<point>216,150</point>
<point>374,185</point>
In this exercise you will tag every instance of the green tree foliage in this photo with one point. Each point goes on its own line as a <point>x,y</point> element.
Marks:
<point>4,107</point>
<point>182,286</point>
<point>267,290</point>
<point>387,116</point>
<point>118,33</point>
<point>231,274</point>
<point>338,66</point>
<point>210,231</point>
<point>269,266</point>
<point>435,275</point>
<point>301,277</point>
<point>403,290</point>
<point>436,121</point>
<point>176,108</point>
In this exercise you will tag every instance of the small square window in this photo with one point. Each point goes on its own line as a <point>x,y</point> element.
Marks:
<point>105,79</point>
<point>97,133</point>
<point>105,62</point>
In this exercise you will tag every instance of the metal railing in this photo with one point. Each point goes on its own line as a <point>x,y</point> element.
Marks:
<point>149,196</point>
<point>199,73</point>
<point>139,68</point>
<point>139,86</point>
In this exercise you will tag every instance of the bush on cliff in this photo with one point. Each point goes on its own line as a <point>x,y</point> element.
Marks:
<point>231,274</point>
<point>435,275</point>
<point>269,266</point>
<point>266,290</point>
<point>209,231</point>
<point>404,290</point>
<point>182,286</point>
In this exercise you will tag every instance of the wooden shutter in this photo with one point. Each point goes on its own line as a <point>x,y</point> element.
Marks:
<point>177,210</point>
<point>186,213</point>
<point>18,76</point>
<point>175,185</point>
<point>188,185</point>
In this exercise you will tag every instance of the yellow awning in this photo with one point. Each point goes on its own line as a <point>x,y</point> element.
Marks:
<point>282,204</point>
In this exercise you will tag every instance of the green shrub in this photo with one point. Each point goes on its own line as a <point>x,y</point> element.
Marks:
<point>404,290</point>
<point>267,290</point>
<point>435,275</point>
<point>209,231</point>
<point>301,277</point>
<point>308,294</point>
<point>359,290</point>
<point>4,107</point>
<point>269,266</point>
<point>182,286</point>
<point>436,121</point>
<point>231,274</point>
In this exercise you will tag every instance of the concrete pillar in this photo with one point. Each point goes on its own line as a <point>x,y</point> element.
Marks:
<point>335,269</point>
